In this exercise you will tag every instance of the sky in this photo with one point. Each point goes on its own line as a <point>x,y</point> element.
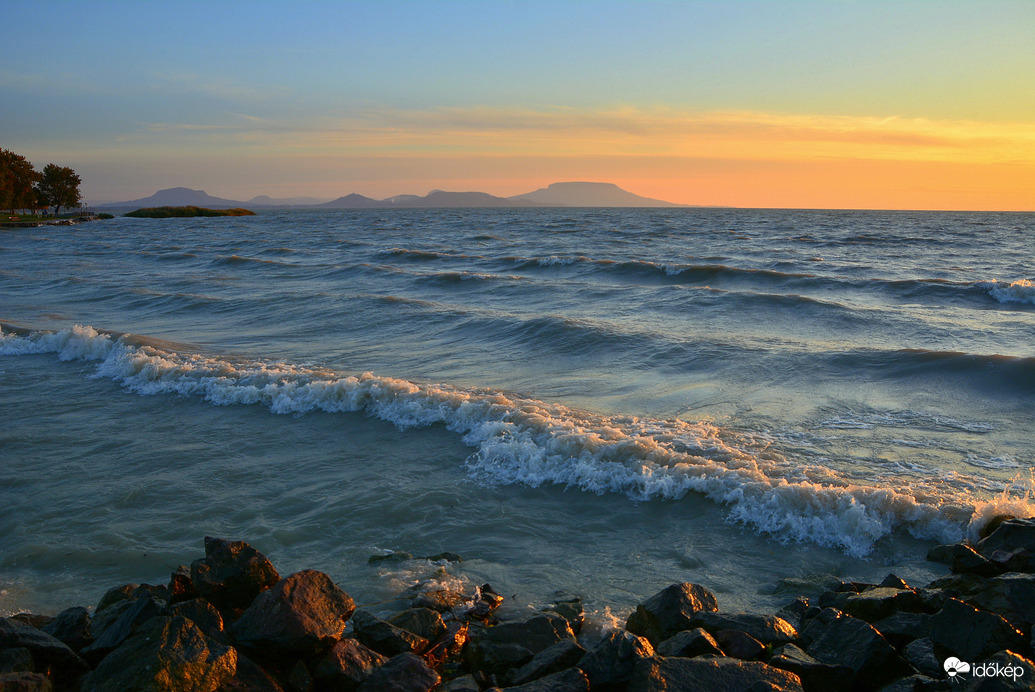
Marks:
<point>837,104</point>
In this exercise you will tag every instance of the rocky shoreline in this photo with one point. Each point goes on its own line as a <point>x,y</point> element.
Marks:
<point>229,622</point>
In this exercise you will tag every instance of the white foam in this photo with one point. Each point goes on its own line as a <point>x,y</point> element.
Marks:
<point>521,440</point>
<point>1020,291</point>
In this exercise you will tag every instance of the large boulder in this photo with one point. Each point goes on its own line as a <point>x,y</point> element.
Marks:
<point>384,637</point>
<point>768,629</point>
<point>690,643</point>
<point>710,674</point>
<point>231,574</point>
<point>1003,672</point>
<point>855,644</point>
<point>513,644</point>
<point>249,677</point>
<point>669,611</point>
<point>346,665</point>
<point>403,673</point>
<point>47,651</point>
<point>302,616</point>
<point>203,614</point>
<point>963,559</point>
<point>25,682</point>
<point>568,680</point>
<point>117,622</point>
<point>610,663</point>
<point>164,655</point>
<point>72,626</point>
<point>962,630</point>
<point>1016,537</point>
<point>814,675</point>
<point>424,622</point>
<point>553,659</point>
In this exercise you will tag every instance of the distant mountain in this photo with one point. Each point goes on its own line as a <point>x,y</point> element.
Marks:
<point>588,195</point>
<point>441,199</point>
<point>179,197</point>
<point>352,201</point>
<point>267,201</point>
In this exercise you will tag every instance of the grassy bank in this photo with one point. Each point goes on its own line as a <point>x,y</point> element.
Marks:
<point>181,212</point>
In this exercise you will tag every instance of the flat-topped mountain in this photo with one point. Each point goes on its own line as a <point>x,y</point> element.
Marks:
<point>577,194</point>
<point>588,195</point>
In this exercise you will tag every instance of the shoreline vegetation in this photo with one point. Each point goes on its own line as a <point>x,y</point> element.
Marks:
<point>185,212</point>
<point>33,221</point>
<point>230,622</point>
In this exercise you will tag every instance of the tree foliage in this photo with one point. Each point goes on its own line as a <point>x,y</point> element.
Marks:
<point>58,187</point>
<point>17,178</point>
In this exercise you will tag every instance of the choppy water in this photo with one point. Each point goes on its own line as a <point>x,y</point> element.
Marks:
<point>603,401</point>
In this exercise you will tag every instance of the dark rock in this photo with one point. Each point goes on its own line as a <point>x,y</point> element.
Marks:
<point>117,622</point>
<point>32,620</point>
<point>384,637</point>
<point>47,651</point>
<point>919,653</point>
<point>818,624</point>
<point>813,584</point>
<point>690,643</point>
<point>1009,595</point>
<point>993,524</point>
<point>25,682</point>
<point>249,677</point>
<point>17,659</point>
<point>72,626</point>
<point>739,644</point>
<point>449,646</point>
<point>970,634</point>
<point>1010,535</point>
<point>180,587</point>
<point>570,680</point>
<point>390,558</point>
<point>902,628</point>
<point>1004,672</point>
<point>669,611</point>
<point>465,683</point>
<point>231,574</point>
<point>165,654</point>
<point>963,559</point>
<point>346,665</point>
<point>486,602</point>
<point>203,614</point>
<point>553,659</point>
<point>768,629</point>
<point>513,644</point>
<point>114,595</point>
<point>302,616</point>
<point>406,672</point>
<point>609,664</point>
<point>448,557</point>
<point>424,622</point>
<point>709,674</point>
<point>880,602</point>
<point>572,611</point>
<point>894,582</point>
<point>813,674</point>
<point>915,683</point>
<point>855,644</point>
<point>1017,560</point>
<point>794,612</point>
<point>299,679</point>
<point>442,600</point>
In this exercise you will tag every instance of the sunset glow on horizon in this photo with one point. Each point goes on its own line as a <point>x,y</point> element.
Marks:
<point>898,105</point>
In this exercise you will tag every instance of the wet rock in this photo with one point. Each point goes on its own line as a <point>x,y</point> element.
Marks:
<point>794,612</point>
<point>424,622</point>
<point>25,682</point>
<point>1010,595</point>
<point>203,614</point>
<point>902,628</point>
<point>443,557</point>
<point>118,622</point>
<point>180,586</point>
<point>32,620</point>
<point>609,664</point>
<point>406,672</point>
<point>570,680</point>
<point>553,659</point>
<point>392,558</point>
<point>813,584</point>
<point>47,651</point>
<point>739,644</point>
<point>915,683</point>
<point>346,665</point>
<point>919,653</point>
<point>302,616</point>
<point>970,634</point>
<point>709,674</point>
<point>231,574</point>
<point>249,677</point>
<point>894,582</point>
<point>513,644</point>
<point>768,629</point>
<point>465,683</point>
<point>442,600</point>
<point>72,626</point>
<point>880,602</point>
<point>855,644</point>
<point>299,679</point>
<point>114,595</point>
<point>1011,535</point>
<point>384,637</point>
<point>813,674</point>
<point>486,602</point>
<point>690,643</point>
<point>571,610</point>
<point>449,646</point>
<point>669,611</point>
<point>963,559</point>
<point>17,659</point>
<point>165,654</point>
<point>819,623</point>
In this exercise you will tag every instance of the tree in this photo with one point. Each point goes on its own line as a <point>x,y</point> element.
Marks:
<point>59,186</point>
<point>17,177</point>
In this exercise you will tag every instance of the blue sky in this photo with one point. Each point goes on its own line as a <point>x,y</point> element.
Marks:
<point>258,97</point>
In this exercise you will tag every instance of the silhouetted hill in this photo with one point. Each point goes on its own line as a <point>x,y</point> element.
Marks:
<point>352,201</point>
<point>267,201</point>
<point>180,197</point>
<point>588,195</point>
